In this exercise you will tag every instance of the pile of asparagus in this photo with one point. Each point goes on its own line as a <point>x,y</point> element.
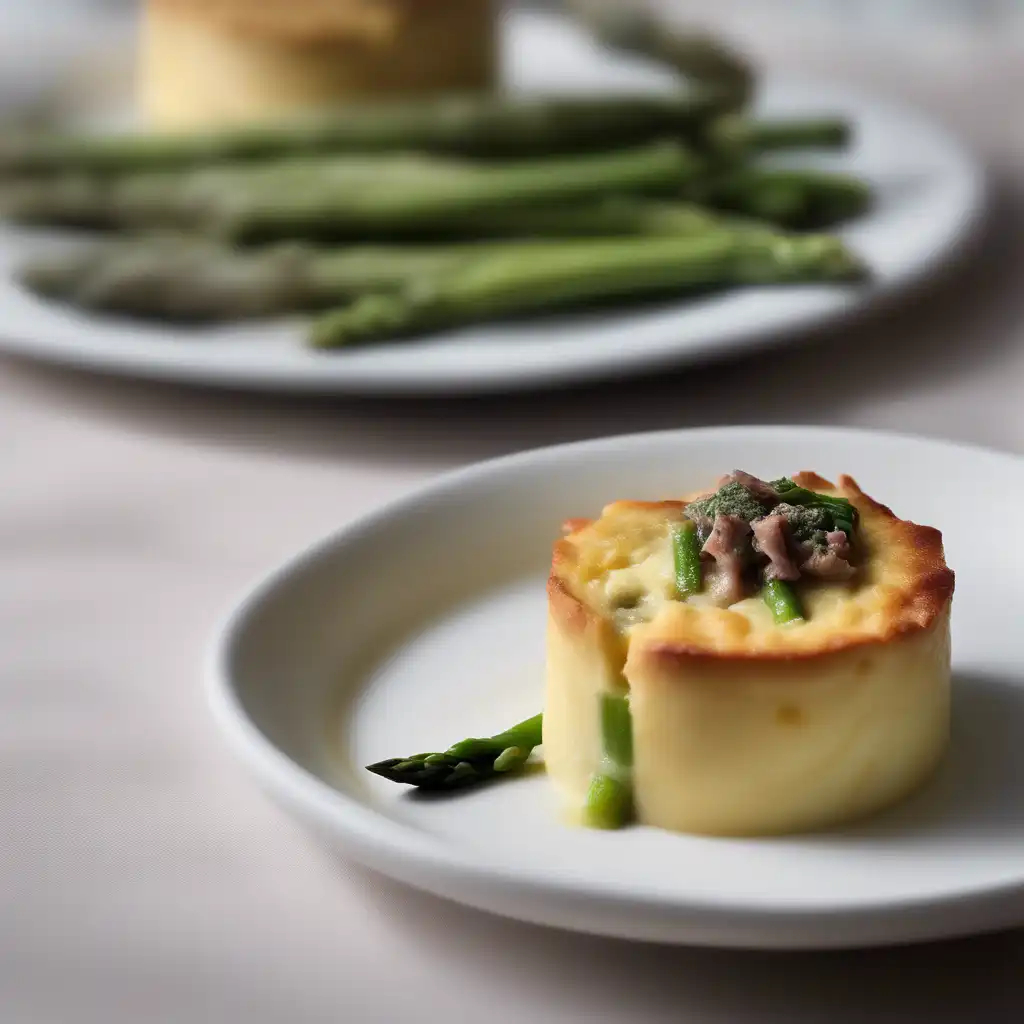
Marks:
<point>396,219</point>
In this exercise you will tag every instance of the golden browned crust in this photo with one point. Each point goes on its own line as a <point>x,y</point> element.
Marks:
<point>566,606</point>
<point>675,653</point>
<point>581,624</point>
<point>570,613</point>
<point>311,22</point>
<point>575,525</point>
<point>911,585</point>
<point>809,479</point>
<point>924,558</point>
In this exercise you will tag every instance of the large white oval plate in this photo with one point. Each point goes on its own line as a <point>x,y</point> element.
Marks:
<point>930,196</point>
<point>424,623</point>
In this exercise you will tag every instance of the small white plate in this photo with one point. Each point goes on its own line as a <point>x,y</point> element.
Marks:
<point>930,196</point>
<point>424,623</point>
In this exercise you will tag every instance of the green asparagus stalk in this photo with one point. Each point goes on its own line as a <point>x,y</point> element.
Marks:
<point>617,729</point>
<point>491,127</point>
<point>435,203</point>
<point>150,199</point>
<point>253,203</point>
<point>351,197</point>
<point>739,135</point>
<point>794,199</point>
<point>686,550</point>
<point>179,277</point>
<point>467,763</point>
<point>610,217</point>
<point>609,799</point>
<point>633,29</point>
<point>186,279</point>
<point>609,803</point>
<point>80,202</point>
<point>783,602</point>
<point>504,284</point>
<point>183,278</point>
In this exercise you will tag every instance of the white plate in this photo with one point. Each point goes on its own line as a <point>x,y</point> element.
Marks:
<point>424,623</point>
<point>930,196</point>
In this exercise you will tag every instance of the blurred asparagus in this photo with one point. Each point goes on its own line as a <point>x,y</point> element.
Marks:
<point>467,763</point>
<point>743,136</point>
<point>185,278</point>
<point>89,199</point>
<point>633,28</point>
<point>485,127</point>
<point>504,284</point>
<point>791,198</point>
<point>192,279</point>
<point>354,197</point>
<point>359,200</point>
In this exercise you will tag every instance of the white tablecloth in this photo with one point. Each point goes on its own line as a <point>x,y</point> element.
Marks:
<point>142,878</point>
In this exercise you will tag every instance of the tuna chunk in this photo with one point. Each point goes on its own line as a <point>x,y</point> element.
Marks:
<point>771,538</point>
<point>726,546</point>
<point>831,562</point>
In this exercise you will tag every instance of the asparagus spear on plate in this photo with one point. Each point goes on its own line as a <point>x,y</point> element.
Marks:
<point>792,198</point>
<point>435,203</point>
<point>609,801</point>
<point>467,763</point>
<point>504,284</point>
<point>185,278</point>
<point>479,126</point>
<point>409,197</point>
<point>739,135</point>
<point>188,279</point>
<point>356,197</point>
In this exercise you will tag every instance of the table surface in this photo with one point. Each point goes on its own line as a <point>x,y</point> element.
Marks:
<point>144,879</point>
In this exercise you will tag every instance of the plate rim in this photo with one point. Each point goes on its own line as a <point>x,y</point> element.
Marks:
<point>372,839</point>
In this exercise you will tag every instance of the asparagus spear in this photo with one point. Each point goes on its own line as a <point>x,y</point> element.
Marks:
<point>738,135</point>
<point>436,203</point>
<point>783,602</point>
<point>796,199</point>
<point>686,551</point>
<point>351,197</point>
<point>609,800</point>
<point>185,278</point>
<point>83,202</point>
<point>467,763</point>
<point>574,274</point>
<point>479,126</point>
<point>250,203</point>
<point>192,280</point>
<point>633,29</point>
<point>609,803</point>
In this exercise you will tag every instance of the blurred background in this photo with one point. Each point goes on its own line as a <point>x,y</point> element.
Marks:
<point>91,37</point>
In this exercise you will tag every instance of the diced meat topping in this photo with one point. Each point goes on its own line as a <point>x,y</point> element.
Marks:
<point>728,545</point>
<point>753,531</point>
<point>832,562</point>
<point>771,540</point>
